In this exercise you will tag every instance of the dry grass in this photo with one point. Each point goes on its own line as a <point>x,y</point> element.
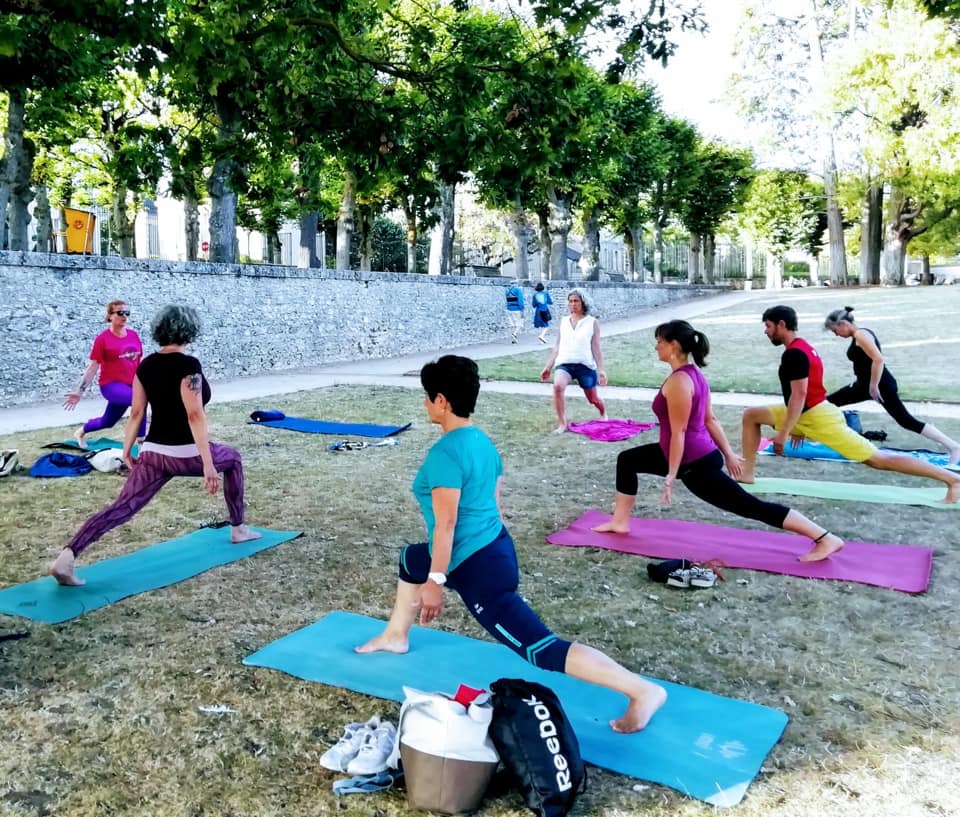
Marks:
<point>100,715</point>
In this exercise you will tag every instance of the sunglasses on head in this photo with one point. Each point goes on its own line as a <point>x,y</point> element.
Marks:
<point>124,312</point>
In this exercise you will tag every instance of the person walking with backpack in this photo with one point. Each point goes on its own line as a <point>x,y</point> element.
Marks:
<point>515,308</point>
<point>541,302</point>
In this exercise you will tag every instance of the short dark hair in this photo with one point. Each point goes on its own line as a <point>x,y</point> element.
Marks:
<point>456,378</point>
<point>787,314</point>
<point>539,286</point>
<point>691,341</point>
<point>175,324</point>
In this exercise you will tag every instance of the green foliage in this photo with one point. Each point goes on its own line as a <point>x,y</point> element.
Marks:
<point>781,210</point>
<point>723,176</point>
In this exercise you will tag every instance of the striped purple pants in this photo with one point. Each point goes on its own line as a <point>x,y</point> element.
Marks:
<point>150,473</point>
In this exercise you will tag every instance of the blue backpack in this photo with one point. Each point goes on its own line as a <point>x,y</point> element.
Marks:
<point>60,464</point>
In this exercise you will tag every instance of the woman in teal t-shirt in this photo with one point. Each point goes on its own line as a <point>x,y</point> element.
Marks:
<point>470,551</point>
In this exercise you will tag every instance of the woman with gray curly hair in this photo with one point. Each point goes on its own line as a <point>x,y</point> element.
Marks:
<point>576,356</point>
<point>177,444</point>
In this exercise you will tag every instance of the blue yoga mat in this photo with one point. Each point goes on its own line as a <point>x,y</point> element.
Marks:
<point>703,745</point>
<point>809,450</point>
<point>146,569</point>
<point>309,426</point>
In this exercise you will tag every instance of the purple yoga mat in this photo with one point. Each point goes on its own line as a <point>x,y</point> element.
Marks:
<point>612,430</point>
<point>898,567</point>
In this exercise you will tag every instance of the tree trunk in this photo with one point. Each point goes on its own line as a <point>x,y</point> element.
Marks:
<point>546,251</point>
<point>121,225</point>
<point>223,199</point>
<point>22,195</point>
<point>871,235</point>
<point>363,232</point>
<point>748,266</point>
<point>411,217</point>
<point>448,197</point>
<point>12,156</point>
<point>191,225</point>
<point>308,258</point>
<point>590,258</point>
<point>693,260</point>
<point>521,243</point>
<point>559,222</point>
<point>658,251</point>
<point>926,275</point>
<point>633,239</point>
<point>41,212</point>
<point>774,271</point>
<point>709,258</point>
<point>900,229</point>
<point>345,220</point>
<point>274,248</point>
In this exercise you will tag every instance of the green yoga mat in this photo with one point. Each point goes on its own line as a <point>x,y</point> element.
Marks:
<point>854,492</point>
<point>146,569</point>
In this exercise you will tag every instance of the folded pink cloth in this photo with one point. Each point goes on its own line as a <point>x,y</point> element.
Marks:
<point>610,431</point>
<point>898,567</point>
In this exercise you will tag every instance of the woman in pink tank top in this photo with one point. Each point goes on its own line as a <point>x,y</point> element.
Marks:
<point>693,446</point>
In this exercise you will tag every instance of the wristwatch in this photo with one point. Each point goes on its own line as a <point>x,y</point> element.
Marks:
<point>437,578</point>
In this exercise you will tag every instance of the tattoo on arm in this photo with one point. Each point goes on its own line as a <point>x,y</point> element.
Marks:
<point>195,382</point>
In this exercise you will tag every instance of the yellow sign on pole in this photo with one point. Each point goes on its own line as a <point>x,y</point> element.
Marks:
<point>80,224</point>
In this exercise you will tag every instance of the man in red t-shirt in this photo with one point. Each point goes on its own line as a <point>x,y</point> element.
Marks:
<point>806,412</point>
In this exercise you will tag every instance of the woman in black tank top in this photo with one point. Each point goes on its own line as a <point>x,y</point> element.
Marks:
<point>874,381</point>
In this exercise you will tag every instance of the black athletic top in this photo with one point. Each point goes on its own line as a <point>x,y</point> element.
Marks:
<point>862,362</point>
<point>160,375</point>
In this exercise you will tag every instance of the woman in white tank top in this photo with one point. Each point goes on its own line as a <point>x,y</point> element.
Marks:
<point>576,356</point>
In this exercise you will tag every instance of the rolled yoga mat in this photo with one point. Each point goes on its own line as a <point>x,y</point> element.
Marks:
<point>703,745</point>
<point>146,569</point>
<point>897,567</point>
<point>854,492</point>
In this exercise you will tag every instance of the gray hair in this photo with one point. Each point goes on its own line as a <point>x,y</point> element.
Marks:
<point>175,325</point>
<point>584,299</point>
<point>843,314</point>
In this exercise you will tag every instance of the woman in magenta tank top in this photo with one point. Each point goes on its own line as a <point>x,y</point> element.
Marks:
<point>693,446</point>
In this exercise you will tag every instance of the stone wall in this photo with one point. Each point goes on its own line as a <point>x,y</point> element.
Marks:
<point>256,318</point>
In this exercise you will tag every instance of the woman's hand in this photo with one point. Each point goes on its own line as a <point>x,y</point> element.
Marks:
<point>71,400</point>
<point>875,392</point>
<point>431,602</point>
<point>545,374</point>
<point>211,479</point>
<point>129,460</point>
<point>667,496</point>
<point>734,466</point>
<point>603,378</point>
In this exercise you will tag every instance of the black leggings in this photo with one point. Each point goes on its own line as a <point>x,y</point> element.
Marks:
<point>859,392</point>
<point>704,477</point>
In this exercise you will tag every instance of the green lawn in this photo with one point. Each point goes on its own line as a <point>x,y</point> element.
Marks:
<point>918,327</point>
<point>101,715</point>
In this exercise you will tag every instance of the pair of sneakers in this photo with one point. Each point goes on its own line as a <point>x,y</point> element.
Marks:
<point>693,576</point>
<point>362,749</point>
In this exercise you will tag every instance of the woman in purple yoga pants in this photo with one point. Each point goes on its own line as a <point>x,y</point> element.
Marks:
<point>178,444</point>
<point>116,353</point>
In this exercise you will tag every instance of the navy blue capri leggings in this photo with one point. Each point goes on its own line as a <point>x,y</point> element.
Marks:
<point>487,582</point>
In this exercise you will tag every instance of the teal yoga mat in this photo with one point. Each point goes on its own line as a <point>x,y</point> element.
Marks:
<point>703,745</point>
<point>94,444</point>
<point>854,492</point>
<point>146,569</point>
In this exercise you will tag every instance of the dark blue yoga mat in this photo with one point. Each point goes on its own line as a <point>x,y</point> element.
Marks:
<point>703,745</point>
<point>146,569</point>
<point>309,426</point>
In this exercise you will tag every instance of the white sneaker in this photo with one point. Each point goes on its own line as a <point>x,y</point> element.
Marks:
<point>376,748</point>
<point>344,750</point>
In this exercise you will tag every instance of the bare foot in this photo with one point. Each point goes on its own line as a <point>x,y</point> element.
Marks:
<point>830,544</point>
<point>560,429</point>
<point>640,710</point>
<point>79,435</point>
<point>241,533</point>
<point>613,527</point>
<point>747,476</point>
<point>953,493</point>
<point>62,570</point>
<point>604,417</point>
<point>385,642</point>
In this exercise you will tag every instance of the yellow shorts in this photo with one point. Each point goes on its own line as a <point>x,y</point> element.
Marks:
<point>824,423</point>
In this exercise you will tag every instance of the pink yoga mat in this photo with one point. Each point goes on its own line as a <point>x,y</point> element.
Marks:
<point>612,430</point>
<point>898,567</point>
